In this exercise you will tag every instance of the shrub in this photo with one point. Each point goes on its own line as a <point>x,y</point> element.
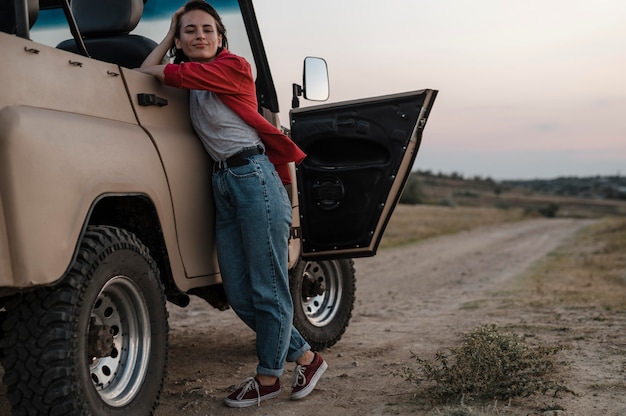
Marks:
<point>548,211</point>
<point>489,365</point>
<point>412,193</point>
<point>447,201</point>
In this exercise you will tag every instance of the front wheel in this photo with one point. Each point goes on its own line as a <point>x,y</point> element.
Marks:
<point>323,295</point>
<point>94,344</point>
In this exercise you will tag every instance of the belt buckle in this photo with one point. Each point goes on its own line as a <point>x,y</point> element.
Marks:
<point>219,165</point>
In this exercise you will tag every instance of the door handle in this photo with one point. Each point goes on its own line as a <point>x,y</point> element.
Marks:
<point>150,99</point>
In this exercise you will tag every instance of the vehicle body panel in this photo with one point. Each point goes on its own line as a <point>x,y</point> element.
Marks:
<point>6,269</point>
<point>62,81</point>
<point>47,195</point>
<point>61,150</point>
<point>188,168</point>
<point>360,154</point>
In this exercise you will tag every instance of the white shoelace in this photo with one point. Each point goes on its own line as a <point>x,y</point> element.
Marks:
<point>248,385</point>
<point>299,379</point>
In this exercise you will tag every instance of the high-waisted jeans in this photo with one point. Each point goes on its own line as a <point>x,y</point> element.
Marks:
<point>253,218</point>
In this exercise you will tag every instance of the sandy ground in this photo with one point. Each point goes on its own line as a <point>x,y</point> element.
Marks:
<point>418,298</point>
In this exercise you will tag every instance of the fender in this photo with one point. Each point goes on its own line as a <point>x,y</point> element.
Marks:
<point>53,165</point>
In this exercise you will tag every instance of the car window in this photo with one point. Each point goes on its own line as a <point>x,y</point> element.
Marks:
<point>51,27</point>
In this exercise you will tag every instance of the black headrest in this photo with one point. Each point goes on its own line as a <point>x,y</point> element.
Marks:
<point>110,17</point>
<point>7,14</point>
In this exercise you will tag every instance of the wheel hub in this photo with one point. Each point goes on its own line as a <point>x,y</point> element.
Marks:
<point>312,286</point>
<point>321,292</point>
<point>119,341</point>
<point>100,341</point>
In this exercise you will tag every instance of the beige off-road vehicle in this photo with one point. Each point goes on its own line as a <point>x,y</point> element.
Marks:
<point>106,209</point>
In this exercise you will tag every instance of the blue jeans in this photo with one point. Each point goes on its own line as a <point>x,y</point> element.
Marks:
<point>253,218</point>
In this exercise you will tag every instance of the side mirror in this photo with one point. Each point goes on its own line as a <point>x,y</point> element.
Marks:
<point>315,86</point>
<point>315,80</point>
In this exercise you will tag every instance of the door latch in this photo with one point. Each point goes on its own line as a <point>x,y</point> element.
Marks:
<point>150,99</point>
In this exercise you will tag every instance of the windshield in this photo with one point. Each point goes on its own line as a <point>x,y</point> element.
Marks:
<point>51,27</point>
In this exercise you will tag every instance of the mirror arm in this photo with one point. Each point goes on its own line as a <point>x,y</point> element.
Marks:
<point>296,92</point>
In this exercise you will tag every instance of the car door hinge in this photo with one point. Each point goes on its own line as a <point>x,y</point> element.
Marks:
<point>295,232</point>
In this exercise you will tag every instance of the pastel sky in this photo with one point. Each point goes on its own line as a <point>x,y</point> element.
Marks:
<point>527,89</point>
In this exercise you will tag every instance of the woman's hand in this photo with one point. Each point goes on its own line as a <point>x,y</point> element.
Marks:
<point>174,22</point>
<point>158,53</point>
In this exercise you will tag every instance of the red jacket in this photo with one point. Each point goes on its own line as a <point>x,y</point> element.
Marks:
<point>230,77</point>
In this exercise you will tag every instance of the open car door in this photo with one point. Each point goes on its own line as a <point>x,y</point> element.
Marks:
<point>359,156</point>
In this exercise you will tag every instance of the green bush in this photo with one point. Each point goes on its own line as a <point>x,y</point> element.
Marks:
<point>548,211</point>
<point>447,201</point>
<point>412,194</point>
<point>489,365</point>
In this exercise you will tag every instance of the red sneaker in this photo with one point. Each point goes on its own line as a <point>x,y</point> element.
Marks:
<point>305,377</point>
<point>251,392</point>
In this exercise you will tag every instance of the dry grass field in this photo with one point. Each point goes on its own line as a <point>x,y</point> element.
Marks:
<point>589,271</point>
<point>469,193</point>
<point>453,205</point>
<point>412,223</point>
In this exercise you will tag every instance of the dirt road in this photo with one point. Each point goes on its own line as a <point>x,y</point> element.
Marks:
<point>417,298</point>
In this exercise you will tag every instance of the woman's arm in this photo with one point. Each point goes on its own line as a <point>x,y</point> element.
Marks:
<point>154,61</point>
<point>227,74</point>
<point>156,70</point>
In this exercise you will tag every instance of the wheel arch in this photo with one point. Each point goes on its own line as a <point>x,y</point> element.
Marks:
<point>137,214</point>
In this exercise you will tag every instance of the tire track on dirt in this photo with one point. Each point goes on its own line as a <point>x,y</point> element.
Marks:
<point>445,272</point>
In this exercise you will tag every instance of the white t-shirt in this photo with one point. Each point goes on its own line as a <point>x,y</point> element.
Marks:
<point>222,132</point>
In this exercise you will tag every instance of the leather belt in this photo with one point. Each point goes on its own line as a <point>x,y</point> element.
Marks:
<point>238,159</point>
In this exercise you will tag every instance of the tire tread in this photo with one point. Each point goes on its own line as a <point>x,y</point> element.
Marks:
<point>39,330</point>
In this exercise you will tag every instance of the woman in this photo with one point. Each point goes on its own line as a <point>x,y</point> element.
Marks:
<point>253,211</point>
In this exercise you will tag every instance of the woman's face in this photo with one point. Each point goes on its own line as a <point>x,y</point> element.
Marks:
<point>198,36</point>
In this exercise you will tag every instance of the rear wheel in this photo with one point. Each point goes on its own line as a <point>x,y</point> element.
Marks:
<point>323,294</point>
<point>96,343</point>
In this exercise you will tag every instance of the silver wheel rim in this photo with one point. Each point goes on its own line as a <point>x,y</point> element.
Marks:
<point>120,305</point>
<point>320,310</point>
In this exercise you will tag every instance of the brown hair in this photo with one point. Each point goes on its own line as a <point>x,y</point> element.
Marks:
<point>178,54</point>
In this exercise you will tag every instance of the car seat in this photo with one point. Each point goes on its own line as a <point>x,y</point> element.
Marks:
<point>105,27</point>
<point>7,14</point>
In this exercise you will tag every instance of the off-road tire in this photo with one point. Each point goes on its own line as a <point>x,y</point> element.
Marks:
<point>113,284</point>
<point>323,316</point>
